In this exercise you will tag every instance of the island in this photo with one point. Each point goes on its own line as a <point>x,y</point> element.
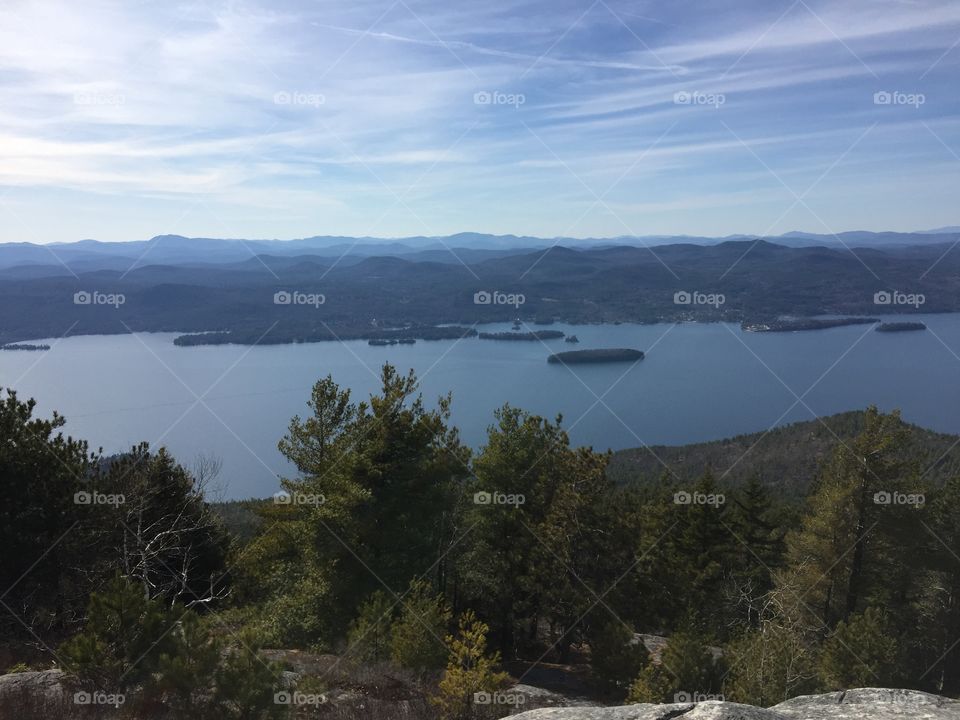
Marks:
<point>794,324</point>
<point>900,327</point>
<point>539,335</point>
<point>24,346</point>
<point>277,336</point>
<point>576,357</point>
<point>571,339</point>
<point>378,342</point>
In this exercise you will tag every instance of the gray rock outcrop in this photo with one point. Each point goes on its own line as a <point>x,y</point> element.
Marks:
<point>859,704</point>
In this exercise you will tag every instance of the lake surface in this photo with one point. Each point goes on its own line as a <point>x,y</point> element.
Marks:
<point>698,382</point>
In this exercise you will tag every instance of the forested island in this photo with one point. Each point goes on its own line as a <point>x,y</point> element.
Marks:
<point>528,336</point>
<point>276,336</point>
<point>900,327</point>
<point>795,324</point>
<point>605,355</point>
<point>25,346</point>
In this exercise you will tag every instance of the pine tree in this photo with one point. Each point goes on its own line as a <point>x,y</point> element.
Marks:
<point>861,652</point>
<point>470,670</point>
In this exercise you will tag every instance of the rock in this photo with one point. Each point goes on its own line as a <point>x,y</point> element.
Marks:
<point>859,704</point>
<point>37,694</point>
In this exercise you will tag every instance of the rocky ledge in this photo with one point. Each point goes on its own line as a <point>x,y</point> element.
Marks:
<point>860,704</point>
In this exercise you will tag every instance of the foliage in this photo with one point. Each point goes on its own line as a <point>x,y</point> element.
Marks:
<point>861,652</point>
<point>616,659</point>
<point>368,639</point>
<point>416,640</point>
<point>470,670</point>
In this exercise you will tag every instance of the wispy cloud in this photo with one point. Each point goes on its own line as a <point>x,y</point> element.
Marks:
<point>294,118</point>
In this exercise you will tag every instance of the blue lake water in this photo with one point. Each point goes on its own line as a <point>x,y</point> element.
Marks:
<point>698,382</point>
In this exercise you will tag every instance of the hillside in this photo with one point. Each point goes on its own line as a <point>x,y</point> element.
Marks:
<point>785,458</point>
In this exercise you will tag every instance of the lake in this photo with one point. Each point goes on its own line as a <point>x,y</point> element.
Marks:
<point>698,382</point>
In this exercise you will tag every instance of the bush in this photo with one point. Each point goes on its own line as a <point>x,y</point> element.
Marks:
<point>368,639</point>
<point>616,659</point>
<point>470,670</point>
<point>416,637</point>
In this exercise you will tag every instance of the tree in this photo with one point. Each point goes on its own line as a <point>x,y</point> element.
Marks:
<point>45,567</point>
<point>844,550</point>
<point>775,655</point>
<point>686,668</point>
<point>164,534</point>
<point>368,639</point>
<point>125,635</point>
<point>416,636</point>
<point>616,659</point>
<point>537,531</point>
<point>470,670</point>
<point>379,477</point>
<point>861,652</point>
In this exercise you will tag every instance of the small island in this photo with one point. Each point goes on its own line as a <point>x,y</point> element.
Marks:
<point>392,341</point>
<point>25,346</point>
<point>900,326</point>
<point>539,335</point>
<point>578,357</point>
<point>571,339</point>
<point>795,324</point>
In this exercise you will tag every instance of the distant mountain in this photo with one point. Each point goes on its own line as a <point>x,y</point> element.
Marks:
<point>423,288</point>
<point>89,255</point>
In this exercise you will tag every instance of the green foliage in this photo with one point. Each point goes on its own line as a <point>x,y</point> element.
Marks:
<point>861,652</point>
<point>125,636</point>
<point>368,639</point>
<point>169,655</point>
<point>381,476</point>
<point>652,685</point>
<point>848,543</point>
<point>40,471</point>
<point>416,638</point>
<point>470,670</point>
<point>529,555</point>
<point>686,667</point>
<point>616,659</point>
<point>770,664</point>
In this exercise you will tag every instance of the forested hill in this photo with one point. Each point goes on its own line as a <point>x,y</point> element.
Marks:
<point>785,458</point>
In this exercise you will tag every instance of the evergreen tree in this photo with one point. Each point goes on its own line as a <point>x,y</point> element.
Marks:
<point>471,669</point>
<point>861,652</point>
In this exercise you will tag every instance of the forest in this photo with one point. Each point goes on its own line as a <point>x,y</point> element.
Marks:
<point>416,571</point>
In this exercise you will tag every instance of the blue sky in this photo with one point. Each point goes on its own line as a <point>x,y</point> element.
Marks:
<point>124,120</point>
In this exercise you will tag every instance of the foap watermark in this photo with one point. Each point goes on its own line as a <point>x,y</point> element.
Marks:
<point>498,498</point>
<point>696,97</point>
<point>682,497</point>
<point>300,99</point>
<point>895,97</point>
<point>495,297</point>
<point>298,498</point>
<point>696,697</point>
<point>295,297</point>
<point>895,297</point>
<point>98,697</point>
<point>496,97</point>
<point>883,497</point>
<point>294,697</point>
<point>93,497</point>
<point>99,99</point>
<point>499,698</point>
<point>95,297</point>
<point>695,297</point>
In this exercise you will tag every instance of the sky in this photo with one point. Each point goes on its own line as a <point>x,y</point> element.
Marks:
<point>587,118</point>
